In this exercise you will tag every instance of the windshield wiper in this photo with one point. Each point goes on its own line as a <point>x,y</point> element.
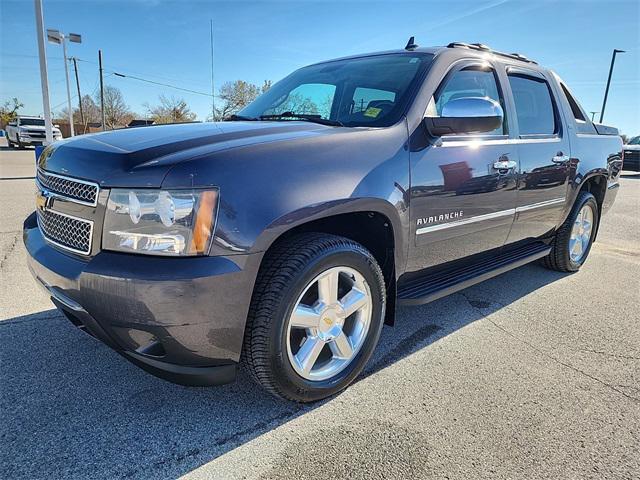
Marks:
<point>234,118</point>
<point>303,116</point>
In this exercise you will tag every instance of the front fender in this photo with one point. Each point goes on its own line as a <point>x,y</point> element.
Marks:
<point>299,217</point>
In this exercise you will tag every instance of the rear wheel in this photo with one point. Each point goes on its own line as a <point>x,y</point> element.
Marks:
<point>315,318</point>
<point>573,240</point>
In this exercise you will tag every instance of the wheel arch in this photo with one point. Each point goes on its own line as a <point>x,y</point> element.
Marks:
<point>373,223</point>
<point>596,184</point>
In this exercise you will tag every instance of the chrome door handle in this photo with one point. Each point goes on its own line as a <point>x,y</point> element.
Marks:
<point>504,164</point>
<point>560,158</point>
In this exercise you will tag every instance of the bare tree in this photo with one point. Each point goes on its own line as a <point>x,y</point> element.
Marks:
<point>116,111</point>
<point>90,110</point>
<point>9,110</point>
<point>236,95</point>
<point>171,110</point>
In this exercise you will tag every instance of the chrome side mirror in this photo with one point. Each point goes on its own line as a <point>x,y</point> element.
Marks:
<point>466,115</point>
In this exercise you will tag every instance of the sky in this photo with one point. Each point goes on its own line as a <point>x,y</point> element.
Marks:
<point>169,42</point>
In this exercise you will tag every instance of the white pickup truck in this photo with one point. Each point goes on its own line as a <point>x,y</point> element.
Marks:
<point>28,131</point>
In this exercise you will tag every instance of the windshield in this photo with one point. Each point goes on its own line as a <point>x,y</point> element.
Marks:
<point>634,141</point>
<point>367,91</point>
<point>32,121</point>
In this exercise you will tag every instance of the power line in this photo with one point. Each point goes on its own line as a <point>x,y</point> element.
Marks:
<point>144,74</point>
<point>162,84</point>
<point>111,72</point>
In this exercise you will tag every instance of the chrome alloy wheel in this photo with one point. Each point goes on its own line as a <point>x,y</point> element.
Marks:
<point>581,234</point>
<point>329,323</point>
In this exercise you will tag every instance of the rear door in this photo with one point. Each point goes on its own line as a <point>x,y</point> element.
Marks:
<point>462,202</point>
<point>544,152</point>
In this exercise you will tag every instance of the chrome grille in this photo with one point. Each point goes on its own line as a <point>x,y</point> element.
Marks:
<point>74,189</point>
<point>70,233</point>
<point>632,155</point>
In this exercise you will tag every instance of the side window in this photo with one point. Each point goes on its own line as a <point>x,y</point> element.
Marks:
<point>575,107</point>
<point>534,106</point>
<point>364,97</point>
<point>469,82</point>
<point>308,98</point>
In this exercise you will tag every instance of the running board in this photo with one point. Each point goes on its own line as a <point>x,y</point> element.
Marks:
<point>437,285</point>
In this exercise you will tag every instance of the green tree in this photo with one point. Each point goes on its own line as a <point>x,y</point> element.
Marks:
<point>9,110</point>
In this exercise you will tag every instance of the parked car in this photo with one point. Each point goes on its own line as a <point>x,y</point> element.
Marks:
<point>284,238</point>
<point>28,131</point>
<point>632,155</point>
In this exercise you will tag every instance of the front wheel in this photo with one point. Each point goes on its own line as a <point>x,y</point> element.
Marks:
<point>573,240</point>
<point>315,317</point>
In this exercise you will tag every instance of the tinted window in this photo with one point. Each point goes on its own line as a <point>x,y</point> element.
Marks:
<point>534,107</point>
<point>335,90</point>
<point>575,107</point>
<point>308,98</point>
<point>365,98</point>
<point>469,82</point>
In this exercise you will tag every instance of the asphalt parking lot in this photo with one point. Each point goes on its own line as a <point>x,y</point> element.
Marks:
<point>534,374</point>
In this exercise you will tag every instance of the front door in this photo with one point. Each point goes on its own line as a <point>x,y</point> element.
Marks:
<point>463,190</point>
<point>543,148</point>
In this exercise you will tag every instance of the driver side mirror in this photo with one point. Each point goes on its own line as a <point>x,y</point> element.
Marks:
<point>466,115</point>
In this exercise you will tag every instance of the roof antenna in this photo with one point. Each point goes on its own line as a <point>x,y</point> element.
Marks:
<point>411,44</point>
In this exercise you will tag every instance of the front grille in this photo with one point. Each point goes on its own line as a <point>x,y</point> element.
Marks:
<point>36,133</point>
<point>632,155</point>
<point>66,231</point>
<point>79,190</point>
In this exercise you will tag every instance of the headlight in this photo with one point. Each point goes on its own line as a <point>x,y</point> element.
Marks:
<point>160,222</point>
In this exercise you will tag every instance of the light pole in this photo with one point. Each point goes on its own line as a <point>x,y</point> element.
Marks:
<point>55,36</point>
<point>606,92</point>
<point>44,81</point>
<point>593,115</point>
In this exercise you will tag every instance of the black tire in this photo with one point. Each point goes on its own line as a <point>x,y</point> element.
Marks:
<point>9,142</point>
<point>559,258</point>
<point>285,273</point>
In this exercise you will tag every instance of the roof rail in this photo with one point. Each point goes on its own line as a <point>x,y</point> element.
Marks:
<point>484,48</point>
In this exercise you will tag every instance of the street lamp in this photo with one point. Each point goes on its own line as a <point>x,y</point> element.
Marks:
<point>57,37</point>
<point>606,92</point>
<point>593,114</point>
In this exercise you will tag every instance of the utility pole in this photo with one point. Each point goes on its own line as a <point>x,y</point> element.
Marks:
<point>213,90</point>
<point>75,67</point>
<point>44,79</point>
<point>606,92</point>
<point>101,91</point>
<point>66,74</point>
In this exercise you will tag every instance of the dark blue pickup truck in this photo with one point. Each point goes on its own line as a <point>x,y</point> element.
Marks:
<point>284,238</point>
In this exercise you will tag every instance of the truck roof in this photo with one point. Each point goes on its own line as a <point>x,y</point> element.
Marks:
<point>477,49</point>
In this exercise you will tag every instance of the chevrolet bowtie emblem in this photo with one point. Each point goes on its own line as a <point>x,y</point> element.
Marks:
<point>43,200</point>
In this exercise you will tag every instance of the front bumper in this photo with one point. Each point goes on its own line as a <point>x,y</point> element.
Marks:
<point>181,319</point>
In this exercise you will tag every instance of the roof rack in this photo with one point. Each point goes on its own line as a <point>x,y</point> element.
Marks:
<point>484,48</point>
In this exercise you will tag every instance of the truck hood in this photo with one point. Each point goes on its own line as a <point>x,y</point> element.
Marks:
<point>141,157</point>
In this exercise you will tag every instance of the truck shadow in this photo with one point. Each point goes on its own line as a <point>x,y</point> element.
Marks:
<point>73,408</point>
